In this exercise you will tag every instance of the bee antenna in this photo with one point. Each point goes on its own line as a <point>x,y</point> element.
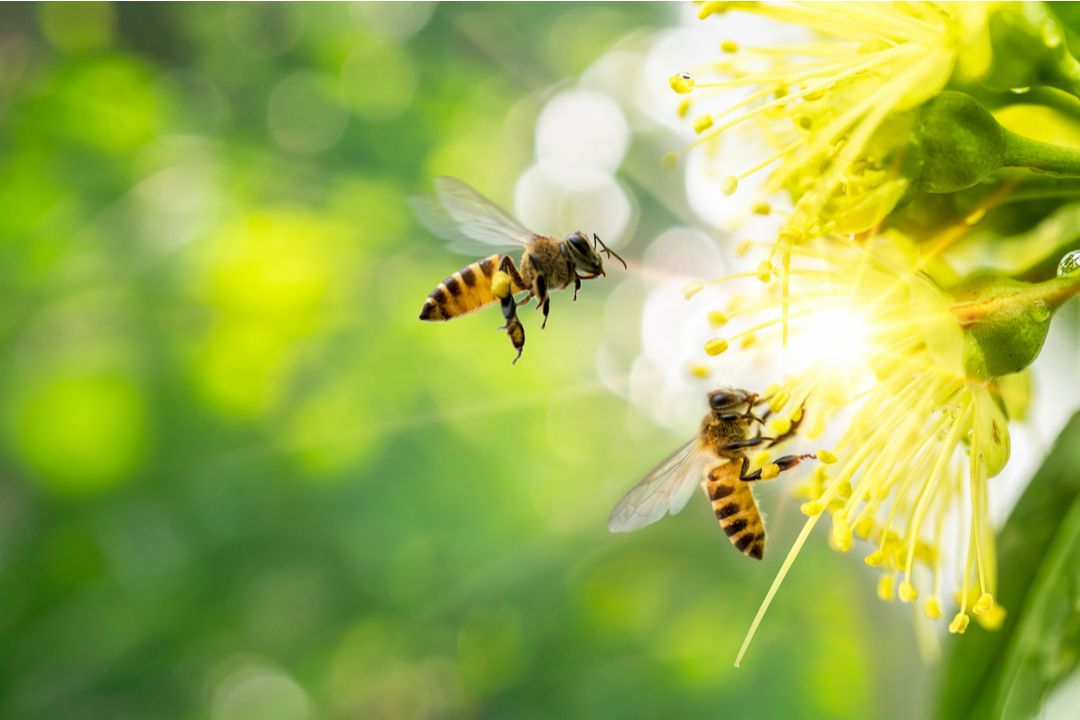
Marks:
<point>610,253</point>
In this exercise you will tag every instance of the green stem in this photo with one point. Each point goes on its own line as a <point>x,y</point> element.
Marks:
<point>1040,157</point>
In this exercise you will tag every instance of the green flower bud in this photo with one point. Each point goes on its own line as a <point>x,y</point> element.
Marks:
<point>1005,321</point>
<point>963,143</point>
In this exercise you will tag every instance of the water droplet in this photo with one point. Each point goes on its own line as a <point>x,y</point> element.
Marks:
<point>1040,311</point>
<point>942,435</point>
<point>1069,264</point>
<point>956,412</point>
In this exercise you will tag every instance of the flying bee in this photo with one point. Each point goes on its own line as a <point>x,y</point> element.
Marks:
<point>726,434</point>
<point>460,214</point>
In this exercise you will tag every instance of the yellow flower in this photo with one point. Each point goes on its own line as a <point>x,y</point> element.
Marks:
<point>841,111</point>
<point>923,436</point>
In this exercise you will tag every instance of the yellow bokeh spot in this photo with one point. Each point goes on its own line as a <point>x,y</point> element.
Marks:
<point>729,46</point>
<point>864,527</point>
<point>885,588</point>
<point>932,609</point>
<point>717,319</point>
<point>698,370</point>
<point>875,558</point>
<point>992,618</point>
<point>760,207</point>
<point>760,459</point>
<point>811,508</point>
<point>795,414</point>
<point>702,123</point>
<point>84,434</point>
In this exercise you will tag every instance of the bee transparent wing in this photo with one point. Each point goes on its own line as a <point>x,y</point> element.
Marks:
<point>666,489</point>
<point>472,223</point>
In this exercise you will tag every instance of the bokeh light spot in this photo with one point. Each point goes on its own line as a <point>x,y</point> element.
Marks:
<point>264,29</point>
<point>581,137</point>
<point>392,20</point>
<point>78,26</point>
<point>305,113</point>
<point>378,81</point>
<point>83,434</point>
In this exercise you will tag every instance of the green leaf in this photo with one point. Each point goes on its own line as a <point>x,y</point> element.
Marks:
<point>1007,674</point>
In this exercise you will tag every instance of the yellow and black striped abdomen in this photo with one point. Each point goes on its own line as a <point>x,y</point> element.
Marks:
<point>735,508</point>
<point>466,291</point>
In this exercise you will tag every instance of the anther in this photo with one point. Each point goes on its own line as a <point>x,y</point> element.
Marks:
<point>729,47</point>
<point>875,558</point>
<point>702,123</point>
<point>779,400</point>
<point>885,589</point>
<point>908,593</point>
<point>692,288</point>
<point>811,508</point>
<point>716,346</point>
<point>780,424</point>
<point>729,185</point>
<point>959,623</point>
<point>682,83</point>
<point>764,270</point>
<point>758,207</point>
<point>826,457</point>
<point>668,163</point>
<point>717,319</point>
<point>985,602</point>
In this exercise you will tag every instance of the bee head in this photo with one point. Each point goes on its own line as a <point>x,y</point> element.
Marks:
<point>586,257</point>
<point>722,401</point>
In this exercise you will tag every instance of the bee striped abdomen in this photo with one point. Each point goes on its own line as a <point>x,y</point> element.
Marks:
<point>466,291</point>
<point>735,508</point>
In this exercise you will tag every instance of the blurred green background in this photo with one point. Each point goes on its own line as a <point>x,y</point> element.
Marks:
<point>242,480</point>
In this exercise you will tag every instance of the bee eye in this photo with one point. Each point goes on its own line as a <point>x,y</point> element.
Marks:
<point>721,400</point>
<point>580,243</point>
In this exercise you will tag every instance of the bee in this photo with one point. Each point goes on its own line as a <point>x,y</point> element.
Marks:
<point>719,449</point>
<point>460,214</point>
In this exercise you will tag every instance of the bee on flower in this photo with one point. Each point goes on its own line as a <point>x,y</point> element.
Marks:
<point>916,369</point>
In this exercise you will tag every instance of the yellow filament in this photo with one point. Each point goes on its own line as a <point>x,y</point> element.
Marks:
<point>776,584</point>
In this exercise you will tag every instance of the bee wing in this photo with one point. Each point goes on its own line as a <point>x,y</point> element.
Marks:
<point>666,489</point>
<point>471,222</point>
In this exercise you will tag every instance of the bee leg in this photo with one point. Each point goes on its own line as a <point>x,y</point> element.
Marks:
<point>739,416</point>
<point>547,307</point>
<point>540,291</point>
<point>740,444</point>
<point>577,285</point>
<point>791,431</point>
<point>785,463</point>
<point>513,327</point>
<point>506,265</point>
